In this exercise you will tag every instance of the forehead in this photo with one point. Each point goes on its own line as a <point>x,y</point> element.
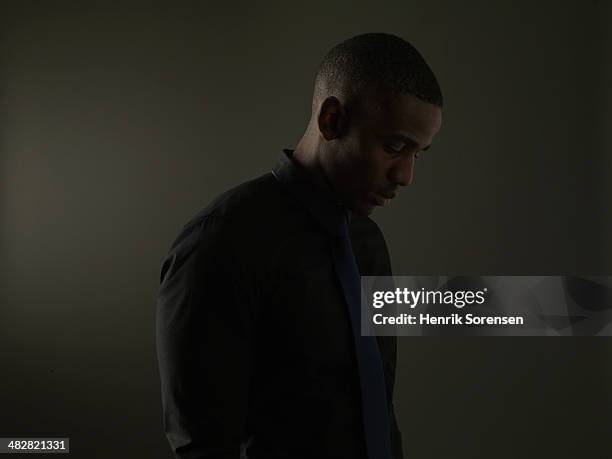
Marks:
<point>389,113</point>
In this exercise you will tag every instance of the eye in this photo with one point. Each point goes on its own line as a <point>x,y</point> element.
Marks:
<point>395,146</point>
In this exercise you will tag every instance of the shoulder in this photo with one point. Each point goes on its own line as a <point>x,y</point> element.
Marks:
<point>238,221</point>
<point>212,236</point>
<point>241,201</point>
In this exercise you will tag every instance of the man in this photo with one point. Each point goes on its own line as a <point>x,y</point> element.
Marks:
<point>258,340</point>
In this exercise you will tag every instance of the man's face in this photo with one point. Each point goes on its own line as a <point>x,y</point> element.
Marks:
<point>376,155</point>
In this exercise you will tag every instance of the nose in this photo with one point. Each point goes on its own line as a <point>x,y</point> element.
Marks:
<point>402,173</point>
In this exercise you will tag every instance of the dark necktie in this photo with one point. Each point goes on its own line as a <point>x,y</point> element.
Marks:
<point>373,392</point>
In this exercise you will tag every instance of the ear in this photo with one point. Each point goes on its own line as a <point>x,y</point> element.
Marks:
<point>333,119</point>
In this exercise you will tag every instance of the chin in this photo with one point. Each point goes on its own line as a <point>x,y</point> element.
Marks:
<point>363,210</point>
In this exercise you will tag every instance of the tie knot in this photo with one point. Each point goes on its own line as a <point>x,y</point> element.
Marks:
<point>343,225</point>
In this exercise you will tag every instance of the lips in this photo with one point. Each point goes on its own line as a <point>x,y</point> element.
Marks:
<point>387,195</point>
<point>382,200</point>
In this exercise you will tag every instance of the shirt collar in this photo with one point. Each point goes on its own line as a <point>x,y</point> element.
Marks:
<point>319,200</point>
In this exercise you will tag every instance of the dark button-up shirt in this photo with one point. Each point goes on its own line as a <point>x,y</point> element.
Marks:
<point>254,340</point>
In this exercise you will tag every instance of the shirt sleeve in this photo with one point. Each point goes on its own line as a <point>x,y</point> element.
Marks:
<point>203,338</point>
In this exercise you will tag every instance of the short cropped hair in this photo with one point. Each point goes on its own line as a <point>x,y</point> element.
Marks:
<point>375,60</point>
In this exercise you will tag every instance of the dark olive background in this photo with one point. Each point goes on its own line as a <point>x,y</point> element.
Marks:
<point>118,123</point>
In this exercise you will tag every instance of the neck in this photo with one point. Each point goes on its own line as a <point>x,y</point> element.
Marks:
<point>307,153</point>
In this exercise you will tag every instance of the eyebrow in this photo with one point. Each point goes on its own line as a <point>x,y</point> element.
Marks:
<point>407,140</point>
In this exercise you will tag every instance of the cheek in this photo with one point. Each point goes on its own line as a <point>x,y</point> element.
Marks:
<point>376,166</point>
<point>353,164</point>
<point>362,165</point>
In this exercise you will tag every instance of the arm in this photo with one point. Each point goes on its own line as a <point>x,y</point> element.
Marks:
<point>203,337</point>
